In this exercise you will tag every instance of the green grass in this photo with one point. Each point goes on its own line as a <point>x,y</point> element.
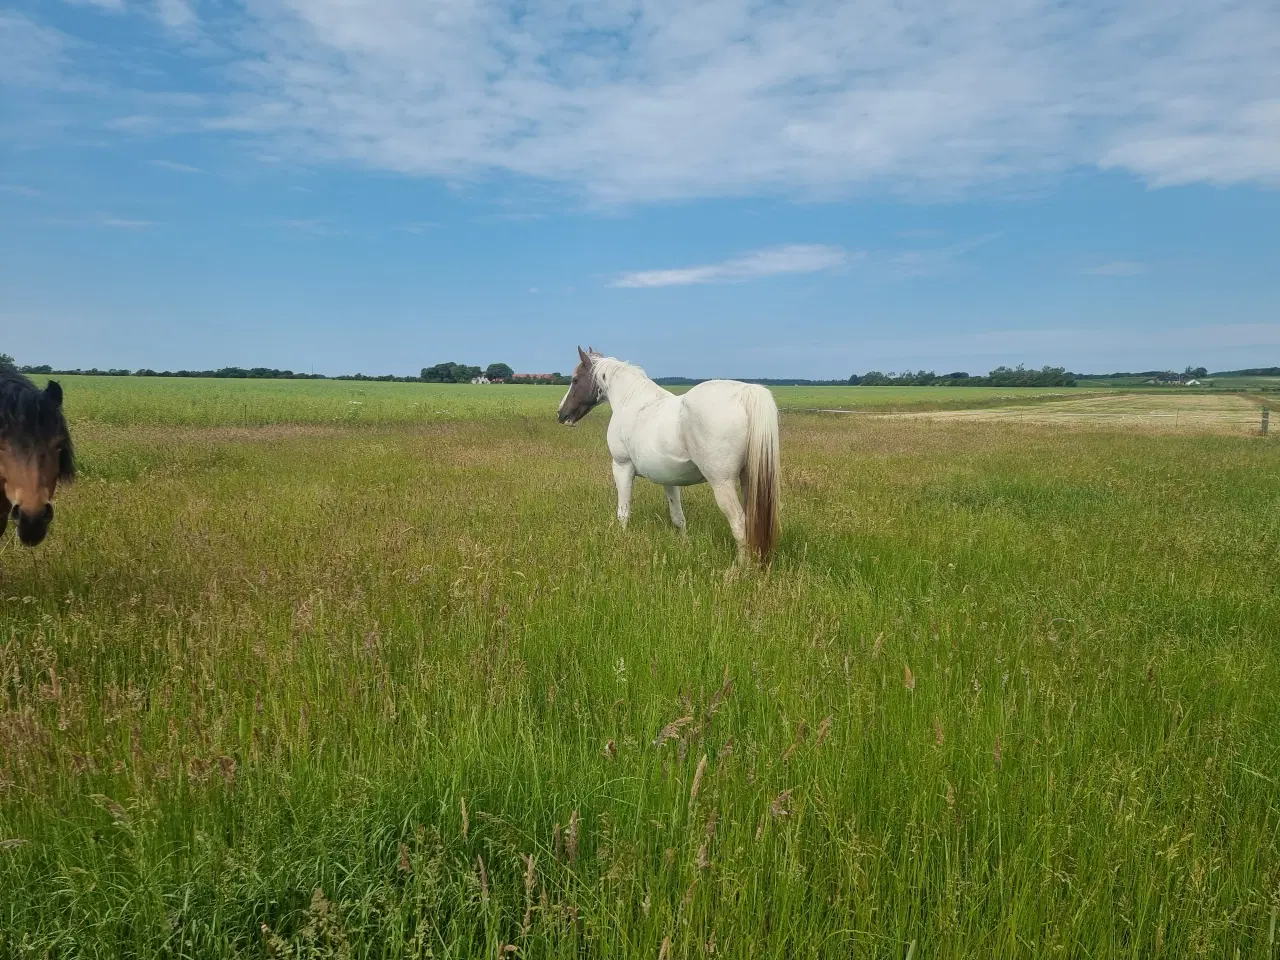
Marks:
<point>1006,692</point>
<point>193,402</point>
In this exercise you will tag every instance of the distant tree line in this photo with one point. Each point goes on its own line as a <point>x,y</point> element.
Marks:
<point>1018,376</point>
<point>1253,372</point>
<point>1167,375</point>
<point>440,373</point>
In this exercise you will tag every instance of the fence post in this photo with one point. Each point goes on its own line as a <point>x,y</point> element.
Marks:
<point>1266,420</point>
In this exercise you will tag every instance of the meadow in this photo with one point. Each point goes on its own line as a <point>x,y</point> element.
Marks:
<point>155,401</point>
<point>289,680</point>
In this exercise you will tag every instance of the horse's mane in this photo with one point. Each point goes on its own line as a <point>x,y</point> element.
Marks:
<point>29,417</point>
<point>608,371</point>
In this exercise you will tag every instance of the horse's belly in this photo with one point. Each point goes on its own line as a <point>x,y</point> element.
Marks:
<point>679,473</point>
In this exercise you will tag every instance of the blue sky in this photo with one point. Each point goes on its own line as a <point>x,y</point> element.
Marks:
<point>716,188</point>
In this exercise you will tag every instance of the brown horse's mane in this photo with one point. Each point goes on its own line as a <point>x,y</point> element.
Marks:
<point>30,417</point>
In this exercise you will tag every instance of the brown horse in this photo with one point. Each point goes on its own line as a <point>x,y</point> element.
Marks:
<point>35,453</point>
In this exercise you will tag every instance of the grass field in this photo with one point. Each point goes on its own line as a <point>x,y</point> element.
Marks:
<point>1208,383</point>
<point>126,401</point>
<point>398,687</point>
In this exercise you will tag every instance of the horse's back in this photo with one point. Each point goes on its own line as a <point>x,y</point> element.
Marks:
<point>715,421</point>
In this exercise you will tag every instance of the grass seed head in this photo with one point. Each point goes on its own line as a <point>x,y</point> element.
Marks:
<point>697,778</point>
<point>571,844</point>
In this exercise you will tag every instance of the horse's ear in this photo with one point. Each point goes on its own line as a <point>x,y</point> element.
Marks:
<point>582,356</point>
<point>54,392</point>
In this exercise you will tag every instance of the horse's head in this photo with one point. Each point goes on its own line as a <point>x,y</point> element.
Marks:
<point>584,392</point>
<point>35,454</point>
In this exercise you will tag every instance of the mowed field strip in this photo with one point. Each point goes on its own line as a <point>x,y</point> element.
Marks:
<point>369,671</point>
<point>1208,412</point>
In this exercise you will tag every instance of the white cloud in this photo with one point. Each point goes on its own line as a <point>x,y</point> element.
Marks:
<point>1117,268</point>
<point>30,55</point>
<point>113,5</point>
<point>651,99</point>
<point>923,263</point>
<point>636,100</point>
<point>775,261</point>
<point>315,227</point>
<point>123,224</point>
<point>176,14</point>
<point>174,165</point>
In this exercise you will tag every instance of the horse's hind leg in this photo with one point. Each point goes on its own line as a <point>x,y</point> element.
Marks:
<point>729,504</point>
<point>5,507</point>
<point>677,510</point>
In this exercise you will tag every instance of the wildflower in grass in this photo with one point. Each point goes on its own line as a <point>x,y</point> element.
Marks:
<point>610,750</point>
<point>908,678</point>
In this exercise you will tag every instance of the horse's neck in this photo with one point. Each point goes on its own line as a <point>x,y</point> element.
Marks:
<point>625,385</point>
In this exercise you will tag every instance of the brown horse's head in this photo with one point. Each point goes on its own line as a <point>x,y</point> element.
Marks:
<point>584,392</point>
<point>35,454</point>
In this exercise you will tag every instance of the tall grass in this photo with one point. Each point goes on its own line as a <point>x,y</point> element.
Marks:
<point>405,690</point>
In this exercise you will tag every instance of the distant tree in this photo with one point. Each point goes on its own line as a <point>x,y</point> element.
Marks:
<point>6,360</point>
<point>854,380</point>
<point>1200,372</point>
<point>450,373</point>
<point>499,371</point>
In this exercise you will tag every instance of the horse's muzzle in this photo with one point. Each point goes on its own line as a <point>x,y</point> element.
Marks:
<point>32,528</point>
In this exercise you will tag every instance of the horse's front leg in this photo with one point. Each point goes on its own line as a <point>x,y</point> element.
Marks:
<point>623,475</point>
<point>5,507</point>
<point>677,510</point>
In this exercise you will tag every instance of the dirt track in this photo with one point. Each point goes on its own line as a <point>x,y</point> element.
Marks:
<point>1212,413</point>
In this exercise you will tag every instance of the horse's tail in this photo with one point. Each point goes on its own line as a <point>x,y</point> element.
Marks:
<point>763,474</point>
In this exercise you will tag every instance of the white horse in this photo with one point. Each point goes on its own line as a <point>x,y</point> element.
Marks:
<point>721,432</point>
